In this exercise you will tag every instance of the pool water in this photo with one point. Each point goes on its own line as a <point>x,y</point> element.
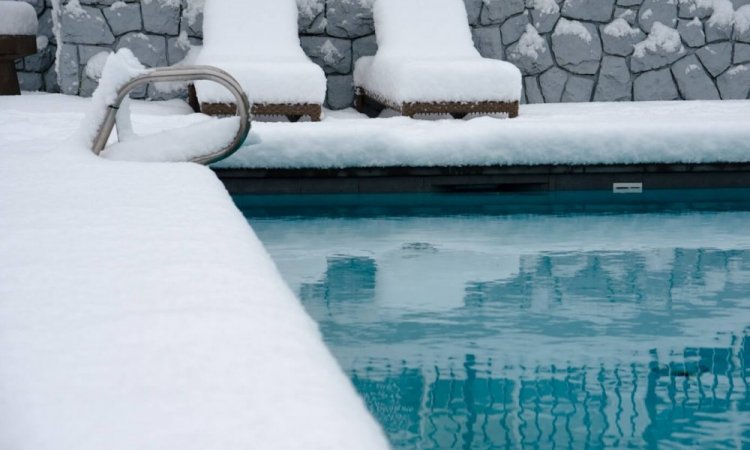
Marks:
<point>570,321</point>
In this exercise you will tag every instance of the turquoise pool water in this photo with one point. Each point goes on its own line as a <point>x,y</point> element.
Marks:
<point>533,321</point>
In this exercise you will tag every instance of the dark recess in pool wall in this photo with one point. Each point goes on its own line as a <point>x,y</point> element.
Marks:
<point>483,179</point>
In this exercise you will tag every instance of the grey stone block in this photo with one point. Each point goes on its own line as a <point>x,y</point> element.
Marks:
<point>86,52</point>
<point>340,92</point>
<point>312,18</point>
<point>716,57</point>
<point>123,18</point>
<point>691,32</point>
<point>473,11</point>
<point>618,39</point>
<point>545,20</point>
<point>553,83</point>
<point>615,83</point>
<point>31,81</point>
<point>88,86</point>
<point>495,12</point>
<point>192,17</point>
<point>348,19</point>
<point>333,55</point>
<point>40,61</point>
<point>161,17</point>
<point>532,91</point>
<point>718,31</point>
<point>533,56</point>
<point>629,2</point>
<point>655,85</point>
<point>46,26</point>
<point>735,83</point>
<point>177,49</point>
<point>693,81</point>
<point>652,54</point>
<point>594,10</point>
<point>626,14</point>
<point>85,27</point>
<point>742,29</point>
<point>487,41</point>
<point>69,69</point>
<point>364,46</point>
<point>578,89</point>
<point>154,92</point>
<point>514,27</point>
<point>577,52</point>
<point>741,53</point>
<point>151,50</point>
<point>662,11</point>
<point>50,81</point>
<point>693,8</point>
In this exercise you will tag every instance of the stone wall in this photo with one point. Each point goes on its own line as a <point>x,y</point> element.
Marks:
<point>568,50</point>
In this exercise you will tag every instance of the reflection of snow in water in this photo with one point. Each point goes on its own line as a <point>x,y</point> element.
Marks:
<point>487,332</point>
<point>535,289</point>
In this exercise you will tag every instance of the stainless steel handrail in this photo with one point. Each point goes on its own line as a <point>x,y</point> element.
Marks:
<point>184,73</point>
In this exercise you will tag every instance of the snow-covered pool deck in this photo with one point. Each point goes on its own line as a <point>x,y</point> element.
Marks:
<point>566,133</point>
<point>139,311</point>
<point>554,146</point>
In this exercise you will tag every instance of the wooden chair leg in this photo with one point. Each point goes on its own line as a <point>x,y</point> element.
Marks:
<point>316,114</point>
<point>193,98</point>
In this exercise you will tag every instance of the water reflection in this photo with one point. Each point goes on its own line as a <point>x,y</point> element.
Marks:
<point>614,331</point>
<point>623,406</point>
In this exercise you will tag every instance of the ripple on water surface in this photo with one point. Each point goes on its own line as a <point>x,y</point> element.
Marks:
<point>542,331</point>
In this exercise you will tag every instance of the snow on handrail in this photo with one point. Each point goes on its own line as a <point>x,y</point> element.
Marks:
<point>183,73</point>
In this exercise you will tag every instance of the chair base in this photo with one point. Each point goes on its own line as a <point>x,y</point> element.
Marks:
<point>372,106</point>
<point>293,112</point>
<point>11,49</point>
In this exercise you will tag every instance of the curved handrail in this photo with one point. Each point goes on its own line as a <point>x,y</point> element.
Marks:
<point>183,73</point>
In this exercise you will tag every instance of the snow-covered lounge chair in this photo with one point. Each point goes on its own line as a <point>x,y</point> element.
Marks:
<point>257,42</point>
<point>430,65</point>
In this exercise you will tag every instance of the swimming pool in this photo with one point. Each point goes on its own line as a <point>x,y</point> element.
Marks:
<point>540,321</point>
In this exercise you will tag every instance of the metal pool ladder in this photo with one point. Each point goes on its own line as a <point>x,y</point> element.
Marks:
<point>184,73</point>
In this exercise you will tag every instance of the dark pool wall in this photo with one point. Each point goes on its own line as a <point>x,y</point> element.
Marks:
<point>583,50</point>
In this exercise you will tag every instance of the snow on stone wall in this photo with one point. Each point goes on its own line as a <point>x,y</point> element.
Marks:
<point>568,50</point>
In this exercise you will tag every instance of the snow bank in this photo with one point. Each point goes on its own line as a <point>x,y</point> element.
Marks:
<point>257,41</point>
<point>414,63</point>
<point>581,133</point>
<point>139,311</point>
<point>17,18</point>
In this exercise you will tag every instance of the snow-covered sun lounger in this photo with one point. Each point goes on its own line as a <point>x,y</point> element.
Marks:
<point>430,65</point>
<point>258,43</point>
